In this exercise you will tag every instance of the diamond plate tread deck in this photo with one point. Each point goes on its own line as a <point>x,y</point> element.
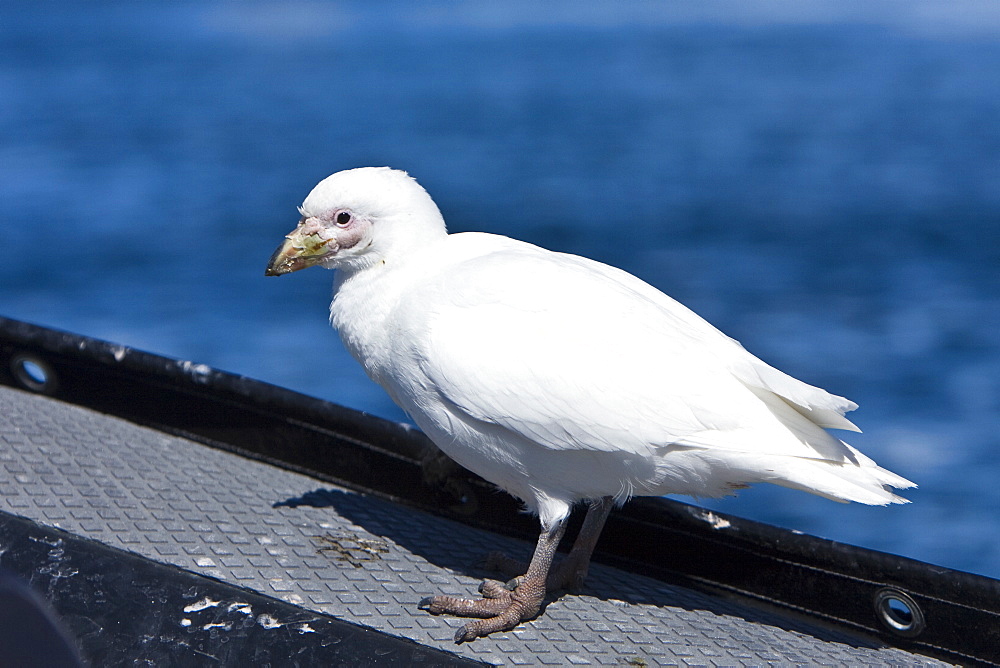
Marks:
<point>362,558</point>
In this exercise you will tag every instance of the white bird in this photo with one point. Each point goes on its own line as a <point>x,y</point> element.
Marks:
<point>558,378</point>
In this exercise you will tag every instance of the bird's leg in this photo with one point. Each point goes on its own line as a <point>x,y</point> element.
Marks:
<point>501,609</point>
<point>572,571</point>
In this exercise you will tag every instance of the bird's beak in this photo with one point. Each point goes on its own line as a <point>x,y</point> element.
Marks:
<point>303,248</point>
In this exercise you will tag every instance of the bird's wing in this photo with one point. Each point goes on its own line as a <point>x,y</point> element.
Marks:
<point>572,354</point>
<point>819,406</point>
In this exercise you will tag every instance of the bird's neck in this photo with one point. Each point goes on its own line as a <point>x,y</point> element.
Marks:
<point>362,309</point>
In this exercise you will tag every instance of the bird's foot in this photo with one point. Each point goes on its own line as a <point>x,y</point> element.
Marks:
<point>501,608</point>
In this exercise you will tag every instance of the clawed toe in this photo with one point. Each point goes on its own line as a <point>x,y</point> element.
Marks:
<point>494,589</point>
<point>513,613</point>
<point>496,601</point>
<point>500,609</point>
<point>427,603</point>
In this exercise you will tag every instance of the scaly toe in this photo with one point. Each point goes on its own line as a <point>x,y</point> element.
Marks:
<point>466,607</point>
<point>494,589</point>
<point>465,634</point>
<point>516,612</point>
<point>500,609</point>
<point>431,604</point>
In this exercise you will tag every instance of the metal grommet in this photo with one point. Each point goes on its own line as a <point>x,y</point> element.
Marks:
<point>899,613</point>
<point>33,373</point>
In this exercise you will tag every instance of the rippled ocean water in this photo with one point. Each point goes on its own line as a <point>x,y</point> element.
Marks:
<point>819,180</point>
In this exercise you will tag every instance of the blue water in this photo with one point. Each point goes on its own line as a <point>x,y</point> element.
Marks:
<point>821,181</point>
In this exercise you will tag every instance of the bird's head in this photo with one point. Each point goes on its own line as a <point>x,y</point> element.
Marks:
<point>358,218</point>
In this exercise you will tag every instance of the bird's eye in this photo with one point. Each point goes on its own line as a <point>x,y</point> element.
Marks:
<point>343,218</point>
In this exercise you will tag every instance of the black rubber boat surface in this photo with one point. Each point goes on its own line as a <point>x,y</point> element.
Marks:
<point>161,512</point>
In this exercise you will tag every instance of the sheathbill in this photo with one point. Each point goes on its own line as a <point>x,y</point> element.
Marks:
<point>558,378</point>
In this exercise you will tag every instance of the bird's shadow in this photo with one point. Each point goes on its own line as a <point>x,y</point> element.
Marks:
<point>462,549</point>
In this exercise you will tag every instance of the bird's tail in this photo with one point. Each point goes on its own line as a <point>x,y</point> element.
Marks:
<point>862,481</point>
